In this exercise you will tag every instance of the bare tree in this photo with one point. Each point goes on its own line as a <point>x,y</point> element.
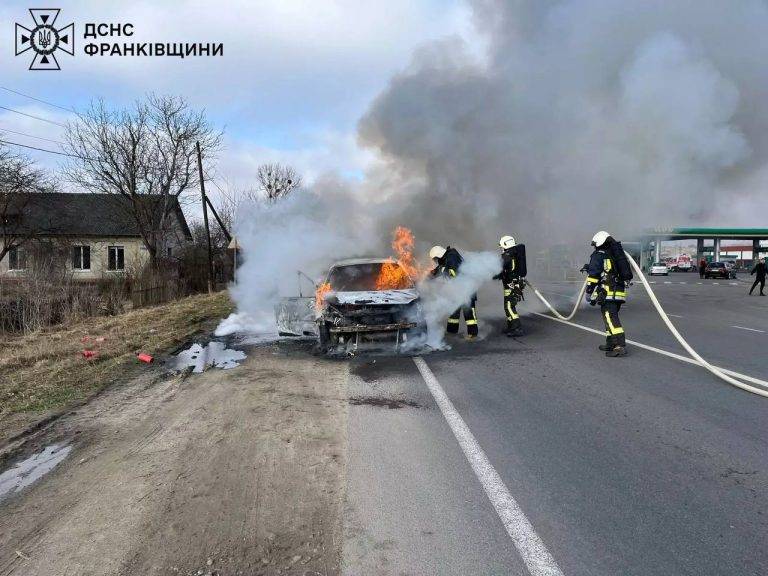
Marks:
<point>277,180</point>
<point>145,154</point>
<point>19,179</point>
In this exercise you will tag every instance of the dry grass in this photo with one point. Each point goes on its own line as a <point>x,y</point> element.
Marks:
<point>47,369</point>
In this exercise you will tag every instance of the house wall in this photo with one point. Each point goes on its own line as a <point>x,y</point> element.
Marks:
<point>136,256</point>
<point>54,254</point>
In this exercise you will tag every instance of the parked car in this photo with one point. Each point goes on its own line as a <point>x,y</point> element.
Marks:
<point>371,300</point>
<point>659,269</point>
<point>719,270</point>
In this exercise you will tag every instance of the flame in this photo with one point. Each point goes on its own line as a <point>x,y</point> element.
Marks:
<point>404,270</point>
<point>320,293</point>
<point>393,277</point>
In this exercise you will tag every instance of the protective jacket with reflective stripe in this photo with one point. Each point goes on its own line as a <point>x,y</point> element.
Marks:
<point>602,274</point>
<point>449,264</point>
<point>509,269</point>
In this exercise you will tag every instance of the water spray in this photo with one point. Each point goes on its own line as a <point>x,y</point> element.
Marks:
<point>688,348</point>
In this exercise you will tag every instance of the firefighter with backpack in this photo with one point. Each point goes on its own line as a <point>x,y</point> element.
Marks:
<point>512,276</point>
<point>447,264</point>
<point>609,273</point>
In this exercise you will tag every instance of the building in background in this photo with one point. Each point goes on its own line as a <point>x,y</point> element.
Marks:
<point>90,236</point>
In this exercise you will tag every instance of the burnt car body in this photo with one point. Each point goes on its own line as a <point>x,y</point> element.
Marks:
<point>353,310</point>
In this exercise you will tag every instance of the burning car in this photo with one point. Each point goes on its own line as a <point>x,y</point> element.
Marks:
<point>369,300</point>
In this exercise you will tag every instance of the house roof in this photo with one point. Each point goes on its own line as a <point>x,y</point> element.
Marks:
<point>88,214</point>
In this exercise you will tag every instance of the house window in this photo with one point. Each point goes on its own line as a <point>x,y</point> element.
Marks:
<point>17,259</point>
<point>116,258</point>
<point>81,257</point>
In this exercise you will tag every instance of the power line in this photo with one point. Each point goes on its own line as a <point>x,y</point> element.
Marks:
<point>38,100</point>
<point>30,136</point>
<point>32,116</point>
<point>212,181</point>
<point>46,150</point>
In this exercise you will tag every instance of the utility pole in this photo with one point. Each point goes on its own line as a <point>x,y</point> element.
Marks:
<point>205,218</point>
<point>221,224</point>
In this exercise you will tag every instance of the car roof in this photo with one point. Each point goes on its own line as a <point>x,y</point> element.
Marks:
<point>357,261</point>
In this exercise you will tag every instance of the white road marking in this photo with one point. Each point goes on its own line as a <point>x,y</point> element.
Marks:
<point>715,283</point>
<point>683,282</point>
<point>685,359</point>
<point>750,329</point>
<point>734,283</point>
<point>537,558</point>
<point>667,282</point>
<point>674,315</point>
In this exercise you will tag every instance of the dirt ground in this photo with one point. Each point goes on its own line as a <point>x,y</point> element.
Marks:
<point>225,472</point>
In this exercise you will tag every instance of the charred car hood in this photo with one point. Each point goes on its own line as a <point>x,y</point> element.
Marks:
<point>377,297</point>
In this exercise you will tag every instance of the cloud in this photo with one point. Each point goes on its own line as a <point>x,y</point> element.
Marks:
<point>291,62</point>
<point>294,78</point>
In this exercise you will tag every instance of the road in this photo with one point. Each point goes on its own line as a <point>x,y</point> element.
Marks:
<point>643,465</point>
<point>530,456</point>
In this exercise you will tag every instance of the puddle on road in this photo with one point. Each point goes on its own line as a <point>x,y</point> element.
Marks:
<point>32,469</point>
<point>215,354</point>
<point>391,403</point>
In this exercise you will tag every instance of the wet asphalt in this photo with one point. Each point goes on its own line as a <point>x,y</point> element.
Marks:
<point>642,465</point>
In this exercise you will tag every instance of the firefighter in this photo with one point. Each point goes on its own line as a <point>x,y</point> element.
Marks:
<point>608,272</point>
<point>513,272</point>
<point>447,263</point>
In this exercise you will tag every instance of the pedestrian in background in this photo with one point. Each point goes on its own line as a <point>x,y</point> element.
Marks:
<point>758,270</point>
<point>702,267</point>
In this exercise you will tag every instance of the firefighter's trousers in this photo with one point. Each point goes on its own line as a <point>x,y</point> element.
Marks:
<point>614,331</point>
<point>510,310</point>
<point>470,317</point>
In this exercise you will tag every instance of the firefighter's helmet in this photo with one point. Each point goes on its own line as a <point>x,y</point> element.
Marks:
<point>506,242</point>
<point>436,252</point>
<point>600,238</point>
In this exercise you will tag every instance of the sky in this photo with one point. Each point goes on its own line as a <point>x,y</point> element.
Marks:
<point>513,111</point>
<point>294,79</point>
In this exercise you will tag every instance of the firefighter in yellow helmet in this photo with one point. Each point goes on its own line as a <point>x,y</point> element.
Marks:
<point>447,263</point>
<point>608,274</point>
<point>512,276</point>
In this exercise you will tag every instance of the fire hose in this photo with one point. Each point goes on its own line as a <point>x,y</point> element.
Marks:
<point>688,348</point>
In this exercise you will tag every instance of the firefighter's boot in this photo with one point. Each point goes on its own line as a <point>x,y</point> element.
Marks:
<point>609,344</point>
<point>619,347</point>
<point>514,328</point>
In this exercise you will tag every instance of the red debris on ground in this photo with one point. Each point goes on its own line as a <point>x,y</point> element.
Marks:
<point>145,357</point>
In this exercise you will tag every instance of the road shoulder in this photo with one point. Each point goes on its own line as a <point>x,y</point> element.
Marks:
<point>226,472</point>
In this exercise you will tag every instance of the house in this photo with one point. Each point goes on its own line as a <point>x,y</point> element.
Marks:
<point>91,236</point>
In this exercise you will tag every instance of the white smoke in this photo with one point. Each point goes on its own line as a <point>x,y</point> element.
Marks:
<point>441,296</point>
<point>305,232</point>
